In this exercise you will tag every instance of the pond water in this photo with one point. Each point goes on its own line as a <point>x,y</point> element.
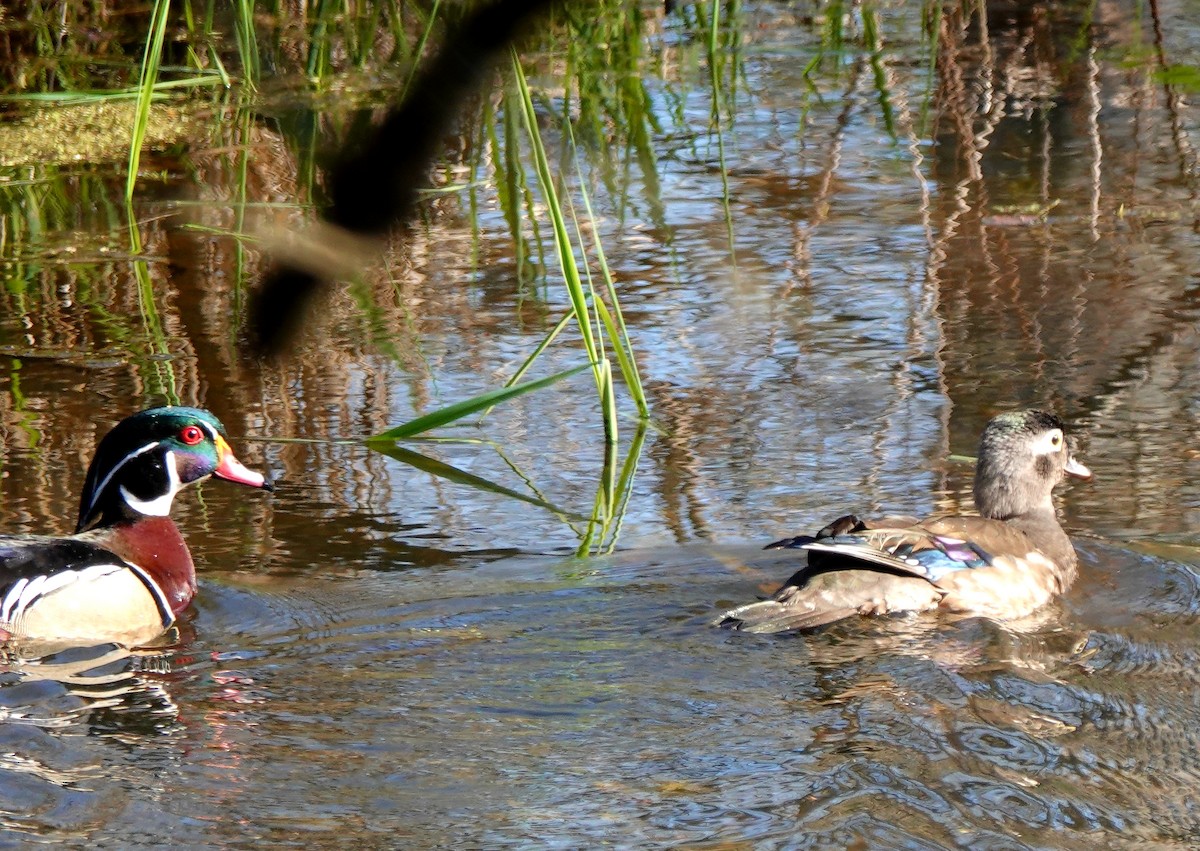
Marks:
<point>381,657</point>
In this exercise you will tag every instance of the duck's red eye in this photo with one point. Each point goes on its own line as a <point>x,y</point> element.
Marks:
<point>191,435</point>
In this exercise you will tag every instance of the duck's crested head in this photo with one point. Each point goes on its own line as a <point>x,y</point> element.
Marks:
<point>1022,456</point>
<point>142,463</point>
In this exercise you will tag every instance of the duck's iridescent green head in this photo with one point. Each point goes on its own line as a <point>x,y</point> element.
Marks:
<point>143,462</point>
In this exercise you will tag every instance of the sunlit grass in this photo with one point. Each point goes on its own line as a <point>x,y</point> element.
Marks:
<point>151,59</point>
<point>564,248</point>
<point>474,405</point>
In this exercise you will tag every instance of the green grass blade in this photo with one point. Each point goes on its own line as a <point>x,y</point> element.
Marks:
<point>541,347</point>
<point>562,238</point>
<point>453,474</point>
<point>625,357</point>
<point>458,410</point>
<point>513,118</point>
<point>933,26</point>
<point>158,87</point>
<point>623,489</point>
<point>243,23</point>
<point>509,181</point>
<point>150,64</point>
<point>601,506</point>
<point>714,74</point>
<point>614,322</point>
<point>160,374</point>
<point>612,498</point>
<point>420,48</point>
<point>566,254</point>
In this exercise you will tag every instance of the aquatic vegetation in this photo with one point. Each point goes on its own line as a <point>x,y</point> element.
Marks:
<point>391,40</point>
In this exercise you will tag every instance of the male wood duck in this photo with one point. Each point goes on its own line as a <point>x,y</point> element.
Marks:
<point>1003,564</point>
<point>126,573</point>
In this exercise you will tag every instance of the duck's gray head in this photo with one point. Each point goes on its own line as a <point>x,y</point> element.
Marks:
<point>1022,456</point>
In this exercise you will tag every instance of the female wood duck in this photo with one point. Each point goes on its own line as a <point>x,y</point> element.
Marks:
<point>126,573</point>
<point>1004,564</point>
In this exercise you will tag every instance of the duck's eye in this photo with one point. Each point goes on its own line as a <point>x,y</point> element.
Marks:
<point>191,435</point>
<point>1056,439</point>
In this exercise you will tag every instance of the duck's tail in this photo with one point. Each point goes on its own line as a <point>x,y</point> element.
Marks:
<point>809,601</point>
<point>767,616</point>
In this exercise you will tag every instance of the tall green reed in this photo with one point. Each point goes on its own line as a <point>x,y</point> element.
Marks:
<point>601,326</point>
<point>151,59</point>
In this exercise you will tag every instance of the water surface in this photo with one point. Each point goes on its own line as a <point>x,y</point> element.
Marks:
<point>383,657</point>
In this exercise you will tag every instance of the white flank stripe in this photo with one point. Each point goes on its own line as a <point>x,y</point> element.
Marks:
<point>27,592</point>
<point>31,592</point>
<point>10,600</point>
<point>63,578</point>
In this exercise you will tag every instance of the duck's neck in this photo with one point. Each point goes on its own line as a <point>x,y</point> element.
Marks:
<point>155,545</point>
<point>1047,535</point>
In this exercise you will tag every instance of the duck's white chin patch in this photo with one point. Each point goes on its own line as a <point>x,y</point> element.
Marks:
<point>160,506</point>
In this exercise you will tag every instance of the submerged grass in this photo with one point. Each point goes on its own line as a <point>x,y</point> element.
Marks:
<point>161,372</point>
<point>461,477</point>
<point>588,309</point>
<point>716,62</point>
<point>601,328</point>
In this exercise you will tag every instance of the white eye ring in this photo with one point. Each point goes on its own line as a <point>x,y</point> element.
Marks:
<point>1049,442</point>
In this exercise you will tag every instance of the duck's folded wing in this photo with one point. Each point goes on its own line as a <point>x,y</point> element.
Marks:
<point>978,565</point>
<point>871,571</point>
<point>845,525</point>
<point>919,551</point>
<point>994,537</point>
<point>26,558</point>
<point>1019,579</point>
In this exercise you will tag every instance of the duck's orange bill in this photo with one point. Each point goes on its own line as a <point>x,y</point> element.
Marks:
<point>231,469</point>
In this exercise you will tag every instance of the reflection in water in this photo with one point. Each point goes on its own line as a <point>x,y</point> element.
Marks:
<point>54,709</point>
<point>377,656</point>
